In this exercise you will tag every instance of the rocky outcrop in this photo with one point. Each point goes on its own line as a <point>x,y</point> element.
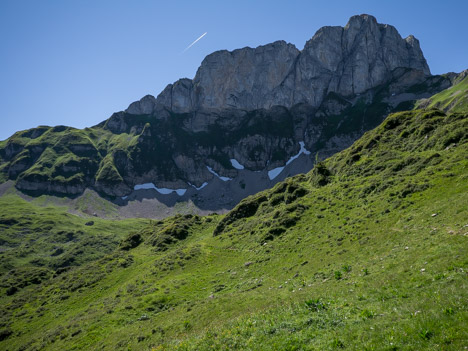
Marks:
<point>346,61</point>
<point>145,106</point>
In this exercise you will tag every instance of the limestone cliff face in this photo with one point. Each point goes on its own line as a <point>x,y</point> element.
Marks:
<point>346,61</point>
<point>246,114</point>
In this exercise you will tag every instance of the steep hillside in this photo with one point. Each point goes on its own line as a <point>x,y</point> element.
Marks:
<point>453,99</point>
<point>248,119</point>
<point>366,251</point>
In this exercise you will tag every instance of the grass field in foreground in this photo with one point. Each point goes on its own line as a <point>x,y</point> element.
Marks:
<point>366,252</point>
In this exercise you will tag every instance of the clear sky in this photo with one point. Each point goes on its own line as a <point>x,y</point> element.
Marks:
<point>76,62</point>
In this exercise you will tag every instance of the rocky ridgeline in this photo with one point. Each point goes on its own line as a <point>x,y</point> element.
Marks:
<point>245,115</point>
<point>346,61</point>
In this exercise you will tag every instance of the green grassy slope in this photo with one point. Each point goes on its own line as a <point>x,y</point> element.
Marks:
<point>37,242</point>
<point>366,252</point>
<point>454,99</point>
<point>64,158</point>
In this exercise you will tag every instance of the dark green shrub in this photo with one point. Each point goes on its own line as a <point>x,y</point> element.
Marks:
<point>131,241</point>
<point>346,268</point>
<point>315,305</point>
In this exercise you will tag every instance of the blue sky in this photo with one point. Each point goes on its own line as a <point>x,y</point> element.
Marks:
<point>76,62</point>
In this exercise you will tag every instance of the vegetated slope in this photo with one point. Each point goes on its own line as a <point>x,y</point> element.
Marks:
<point>453,99</point>
<point>40,241</point>
<point>367,251</point>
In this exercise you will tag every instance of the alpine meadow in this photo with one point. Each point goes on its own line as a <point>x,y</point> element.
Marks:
<point>282,199</point>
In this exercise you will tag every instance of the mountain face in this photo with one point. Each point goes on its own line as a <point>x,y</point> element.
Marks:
<point>346,61</point>
<point>249,118</point>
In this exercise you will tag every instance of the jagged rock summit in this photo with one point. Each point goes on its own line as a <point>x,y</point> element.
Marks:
<point>248,119</point>
<point>344,60</point>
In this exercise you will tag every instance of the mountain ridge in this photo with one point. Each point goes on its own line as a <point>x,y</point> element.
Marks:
<point>173,154</point>
<point>328,52</point>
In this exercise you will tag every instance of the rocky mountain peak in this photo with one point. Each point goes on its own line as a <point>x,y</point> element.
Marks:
<point>345,60</point>
<point>360,20</point>
<point>144,106</point>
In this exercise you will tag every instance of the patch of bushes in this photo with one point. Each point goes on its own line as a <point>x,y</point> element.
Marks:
<point>5,333</point>
<point>169,235</point>
<point>412,188</point>
<point>19,278</point>
<point>245,209</point>
<point>320,175</point>
<point>131,241</point>
<point>273,233</point>
<point>315,305</point>
<point>395,120</point>
<point>287,192</point>
<point>164,234</point>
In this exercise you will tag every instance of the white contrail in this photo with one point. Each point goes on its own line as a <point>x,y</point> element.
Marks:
<point>188,47</point>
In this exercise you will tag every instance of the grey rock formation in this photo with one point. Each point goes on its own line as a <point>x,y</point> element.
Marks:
<point>346,61</point>
<point>144,106</point>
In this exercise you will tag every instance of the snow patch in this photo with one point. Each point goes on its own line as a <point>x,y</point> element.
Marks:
<point>224,179</point>
<point>236,164</point>
<point>180,192</point>
<point>303,150</point>
<point>124,197</point>
<point>202,186</point>
<point>275,172</point>
<point>144,186</point>
<point>164,191</point>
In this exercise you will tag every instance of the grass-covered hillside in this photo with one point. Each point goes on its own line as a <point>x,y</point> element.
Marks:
<point>453,99</point>
<point>40,241</point>
<point>366,252</point>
